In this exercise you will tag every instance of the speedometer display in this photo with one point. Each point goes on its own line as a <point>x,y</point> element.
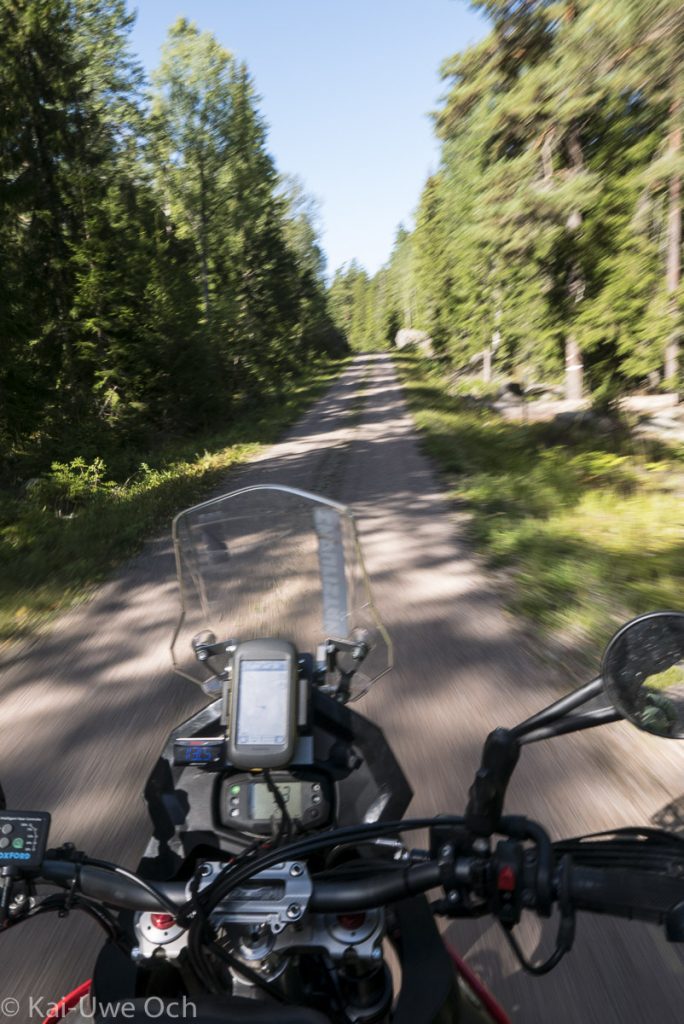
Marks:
<point>263,806</point>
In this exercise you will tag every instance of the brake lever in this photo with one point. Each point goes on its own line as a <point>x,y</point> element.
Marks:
<point>646,849</point>
<point>629,832</point>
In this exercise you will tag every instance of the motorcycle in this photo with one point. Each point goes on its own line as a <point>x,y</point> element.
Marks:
<point>278,886</point>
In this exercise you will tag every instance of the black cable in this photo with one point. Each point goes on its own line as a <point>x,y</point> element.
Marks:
<point>195,919</point>
<point>335,989</point>
<point>203,936</point>
<point>247,972</point>
<point>355,869</point>
<point>538,969</point>
<point>566,926</point>
<point>285,825</point>
<point>57,902</point>
<point>236,873</point>
<point>168,904</point>
<point>196,934</point>
<point>233,876</point>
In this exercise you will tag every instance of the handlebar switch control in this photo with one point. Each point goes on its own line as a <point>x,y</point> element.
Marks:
<point>507,882</point>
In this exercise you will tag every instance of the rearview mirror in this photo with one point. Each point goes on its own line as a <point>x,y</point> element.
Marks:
<point>643,673</point>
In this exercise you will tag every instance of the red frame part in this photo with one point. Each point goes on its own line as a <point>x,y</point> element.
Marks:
<point>70,1002</point>
<point>493,1008</point>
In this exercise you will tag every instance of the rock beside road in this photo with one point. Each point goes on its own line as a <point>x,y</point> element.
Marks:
<point>408,337</point>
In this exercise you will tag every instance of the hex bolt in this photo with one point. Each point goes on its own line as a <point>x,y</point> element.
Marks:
<point>296,870</point>
<point>377,953</point>
<point>294,912</point>
<point>481,846</point>
<point>136,953</point>
<point>454,897</point>
<point>206,870</point>
<point>446,851</point>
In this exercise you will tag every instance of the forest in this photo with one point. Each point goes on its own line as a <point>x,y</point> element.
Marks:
<point>550,235</point>
<point>164,306</point>
<point>163,303</point>
<point>157,271</point>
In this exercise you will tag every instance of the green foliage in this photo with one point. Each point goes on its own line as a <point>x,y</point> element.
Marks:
<point>69,486</point>
<point>590,529</point>
<point>153,275</point>
<point>352,307</point>
<point>257,263</point>
<point>552,221</point>
<point>75,523</point>
<point>157,285</point>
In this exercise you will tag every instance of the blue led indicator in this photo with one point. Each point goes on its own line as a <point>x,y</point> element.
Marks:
<point>201,754</point>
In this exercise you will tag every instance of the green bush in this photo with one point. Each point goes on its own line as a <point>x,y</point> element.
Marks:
<point>73,525</point>
<point>69,486</point>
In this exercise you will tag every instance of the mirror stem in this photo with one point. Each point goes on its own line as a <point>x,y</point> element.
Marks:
<point>573,723</point>
<point>560,707</point>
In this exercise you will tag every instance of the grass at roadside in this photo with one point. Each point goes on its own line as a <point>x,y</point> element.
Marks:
<point>69,529</point>
<point>590,526</point>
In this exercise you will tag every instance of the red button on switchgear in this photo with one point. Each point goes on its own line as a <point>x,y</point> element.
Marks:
<point>506,879</point>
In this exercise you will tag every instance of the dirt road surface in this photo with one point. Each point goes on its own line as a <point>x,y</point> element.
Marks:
<point>85,710</point>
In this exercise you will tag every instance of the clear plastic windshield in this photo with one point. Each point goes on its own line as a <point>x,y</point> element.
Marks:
<point>274,562</point>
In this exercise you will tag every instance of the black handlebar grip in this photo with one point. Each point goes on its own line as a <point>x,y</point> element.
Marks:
<point>625,893</point>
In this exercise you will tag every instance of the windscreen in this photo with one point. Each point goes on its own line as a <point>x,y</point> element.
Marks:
<point>274,562</point>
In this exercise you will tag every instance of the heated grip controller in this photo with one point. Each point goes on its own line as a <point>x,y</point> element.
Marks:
<point>23,838</point>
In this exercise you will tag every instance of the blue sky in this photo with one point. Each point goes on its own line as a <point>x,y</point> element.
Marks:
<point>346,88</point>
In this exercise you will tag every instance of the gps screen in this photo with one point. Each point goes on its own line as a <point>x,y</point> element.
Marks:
<point>262,713</point>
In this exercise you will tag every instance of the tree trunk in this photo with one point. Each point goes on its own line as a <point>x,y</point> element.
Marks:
<point>574,370</point>
<point>674,244</point>
<point>574,364</point>
<point>204,246</point>
<point>487,364</point>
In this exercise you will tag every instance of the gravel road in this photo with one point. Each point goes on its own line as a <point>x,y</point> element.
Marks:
<point>85,711</point>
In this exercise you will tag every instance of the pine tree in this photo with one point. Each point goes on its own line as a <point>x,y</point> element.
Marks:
<point>42,90</point>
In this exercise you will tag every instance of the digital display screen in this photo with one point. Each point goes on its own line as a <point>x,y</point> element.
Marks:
<point>199,755</point>
<point>263,806</point>
<point>263,707</point>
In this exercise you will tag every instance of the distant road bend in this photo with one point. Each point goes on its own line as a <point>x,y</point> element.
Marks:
<point>86,709</point>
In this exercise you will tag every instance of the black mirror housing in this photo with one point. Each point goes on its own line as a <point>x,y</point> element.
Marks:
<point>643,673</point>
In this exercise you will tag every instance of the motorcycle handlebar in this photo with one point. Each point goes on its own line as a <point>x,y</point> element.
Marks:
<point>620,892</point>
<point>359,894</point>
<point>111,888</point>
<point>366,893</point>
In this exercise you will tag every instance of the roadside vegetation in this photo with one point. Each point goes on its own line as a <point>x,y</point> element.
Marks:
<point>546,254</point>
<point>70,527</point>
<point>589,524</point>
<point>548,240</point>
<point>163,308</point>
